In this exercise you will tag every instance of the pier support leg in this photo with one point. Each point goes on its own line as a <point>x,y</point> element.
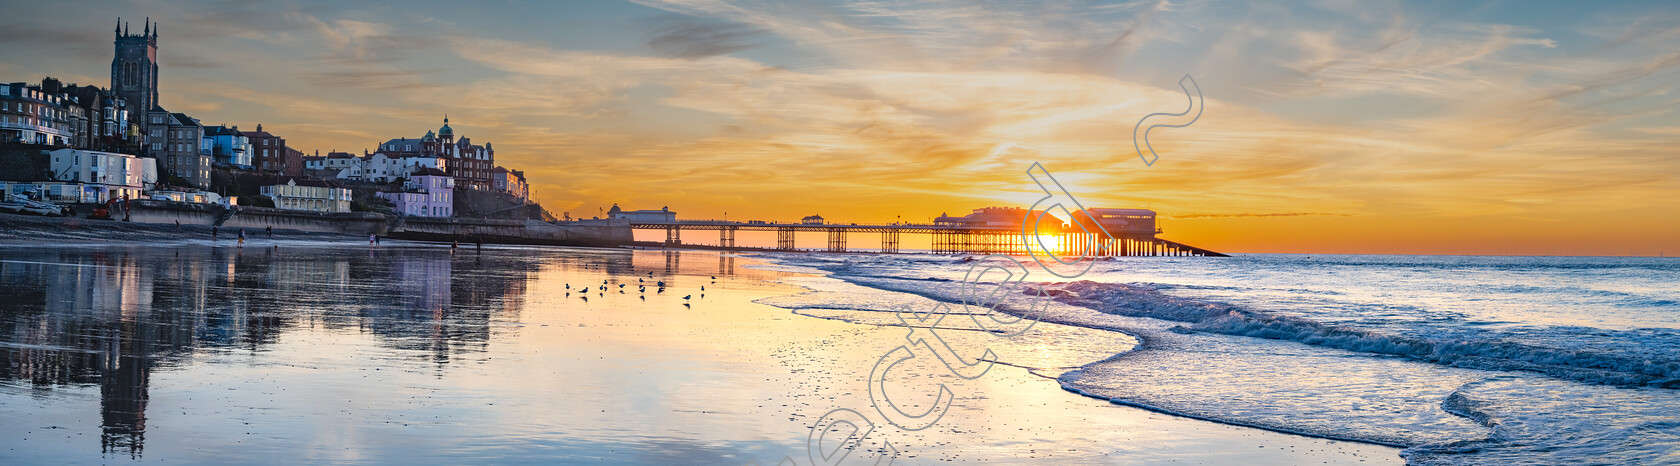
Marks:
<point>836,240</point>
<point>784,239</point>
<point>726,237</point>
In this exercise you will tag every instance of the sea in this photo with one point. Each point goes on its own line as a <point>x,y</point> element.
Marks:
<point>1456,359</point>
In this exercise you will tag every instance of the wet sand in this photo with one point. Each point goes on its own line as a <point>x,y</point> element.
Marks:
<point>412,352</point>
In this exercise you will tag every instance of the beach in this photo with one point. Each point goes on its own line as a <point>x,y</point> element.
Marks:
<point>200,352</point>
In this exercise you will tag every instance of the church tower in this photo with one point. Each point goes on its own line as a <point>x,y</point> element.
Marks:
<point>134,70</point>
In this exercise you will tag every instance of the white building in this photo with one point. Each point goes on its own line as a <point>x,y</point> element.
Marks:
<point>338,161</point>
<point>311,195</point>
<point>663,215</point>
<point>382,168</point>
<point>103,175</point>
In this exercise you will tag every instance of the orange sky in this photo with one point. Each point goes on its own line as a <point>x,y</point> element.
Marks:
<point>1328,128</point>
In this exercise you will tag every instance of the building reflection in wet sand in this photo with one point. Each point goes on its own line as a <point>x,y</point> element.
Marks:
<point>113,317</point>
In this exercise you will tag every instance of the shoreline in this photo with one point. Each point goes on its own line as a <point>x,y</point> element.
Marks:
<point>1143,343</point>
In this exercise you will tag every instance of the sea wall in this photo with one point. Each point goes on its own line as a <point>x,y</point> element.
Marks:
<point>254,218</point>
<point>605,233</point>
<point>602,233</point>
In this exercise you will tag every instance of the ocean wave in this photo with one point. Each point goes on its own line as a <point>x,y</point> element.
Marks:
<point>1590,366</point>
<point>1537,421</point>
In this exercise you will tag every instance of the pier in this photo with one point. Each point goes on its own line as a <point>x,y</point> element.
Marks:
<point>946,238</point>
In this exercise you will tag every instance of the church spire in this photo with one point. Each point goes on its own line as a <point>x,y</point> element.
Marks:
<point>118,29</point>
<point>148,27</point>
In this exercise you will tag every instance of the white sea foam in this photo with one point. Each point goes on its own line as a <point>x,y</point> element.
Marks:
<point>1442,354</point>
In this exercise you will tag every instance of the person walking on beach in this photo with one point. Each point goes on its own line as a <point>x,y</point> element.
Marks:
<point>215,232</point>
<point>270,229</point>
<point>372,239</point>
<point>241,236</point>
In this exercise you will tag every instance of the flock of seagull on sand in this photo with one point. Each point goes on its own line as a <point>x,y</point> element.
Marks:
<point>641,289</point>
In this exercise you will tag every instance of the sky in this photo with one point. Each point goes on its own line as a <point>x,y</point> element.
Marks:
<point>1546,128</point>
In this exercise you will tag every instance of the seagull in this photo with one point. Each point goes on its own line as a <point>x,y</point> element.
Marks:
<point>714,277</point>
<point>621,285</point>
<point>639,280</point>
<point>702,288</point>
<point>685,298</point>
<point>568,286</point>
<point>661,284</point>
